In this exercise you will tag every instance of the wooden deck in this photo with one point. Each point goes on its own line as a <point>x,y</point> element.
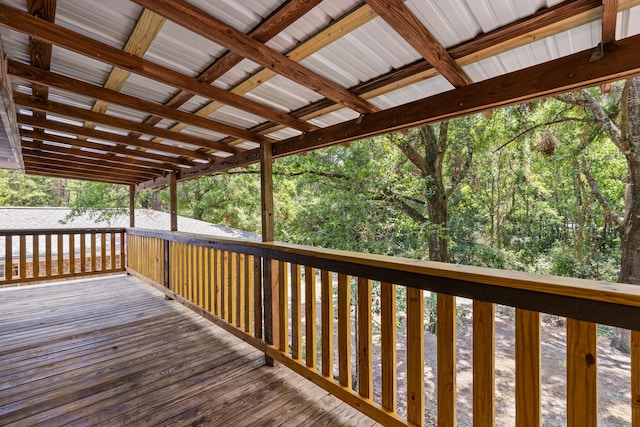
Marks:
<point>111,351</point>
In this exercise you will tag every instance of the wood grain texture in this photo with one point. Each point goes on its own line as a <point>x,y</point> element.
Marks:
<point>365,339</point>
<point>415,356</point>
<point>326,300</point>
<point>483,364</point>
<point>635,378</point>
<point>283,306</point>
<point>609,18</point>
<point>296,313</point>
<point>582,381</point>
<point>388,346</point>
<point>344,330</point>
<point>528,359</point>
<point>310,316</point>
<point>446,343</point>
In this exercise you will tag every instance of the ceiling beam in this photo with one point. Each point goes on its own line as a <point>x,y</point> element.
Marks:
<point>274,24</point>
<point>74,173</point>
<point>405,23</point>
<point>164,162</point>
<point>609,18</point>
<point>39,51</point>
<point>109,120</point>
<point>108,136</point>
<point>48,78</point>
<point>23,22</point>
<point>198,21</point>
<point>34,170</point>
<point>107,157</point>
<point>558,76</point>
<point>94,164</point>
<point>60,164</point>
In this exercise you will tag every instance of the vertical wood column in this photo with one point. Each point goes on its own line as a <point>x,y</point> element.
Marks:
<point>173,194</point>
<point>270,269</point>
<point>132,206</point>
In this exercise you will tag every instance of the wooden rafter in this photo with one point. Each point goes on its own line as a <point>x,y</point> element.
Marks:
<point>609,16</point>
<point>108,120</point>
<point>561,75</point>
<point>75,173</point>
<point>108,136</point>
<point>70,175</point>
<point>33,74</point>
<point>63,37</point>
<point>39,51</point>
<point>217,31</point>
<point>405,23</point>
<point>107,156</point>
<point>280,19</point>
<point>166,162</point>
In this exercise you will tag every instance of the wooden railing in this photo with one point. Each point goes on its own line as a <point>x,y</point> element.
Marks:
<point>314,314</point>
<point>54,254</point>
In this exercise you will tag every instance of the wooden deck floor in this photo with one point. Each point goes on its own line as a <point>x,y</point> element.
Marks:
<point>112,351</point>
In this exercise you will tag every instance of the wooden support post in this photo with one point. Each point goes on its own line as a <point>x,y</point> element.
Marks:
<point>173,194</point>
<point>132,206</point>
<point>270,267</point>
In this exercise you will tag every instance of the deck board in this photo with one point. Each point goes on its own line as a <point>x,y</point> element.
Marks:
<point>111,351</point>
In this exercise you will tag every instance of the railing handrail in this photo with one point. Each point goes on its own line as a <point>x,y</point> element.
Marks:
<point>601,302</point>
<point>61,230</point>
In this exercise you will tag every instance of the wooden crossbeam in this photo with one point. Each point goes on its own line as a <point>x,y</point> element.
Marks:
<point>217,31</point>
<point>36,75</point>
<point>405,23</point>
<point>39,51</point>
<point>74,173</point>
<point>107,136</point>
<point>95,117</point>
<point>34,170</point>
<point>63,37</point>
<point>609,17</point>
<point>166,162</point>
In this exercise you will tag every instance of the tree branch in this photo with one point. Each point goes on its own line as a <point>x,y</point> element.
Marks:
<point>615,217</point>
<point>456,179</point>
<point>552,122</point>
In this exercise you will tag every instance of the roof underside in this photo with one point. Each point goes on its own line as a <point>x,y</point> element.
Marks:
<point>128,91</point>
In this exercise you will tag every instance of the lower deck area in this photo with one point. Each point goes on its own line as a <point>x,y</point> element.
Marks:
<point>112,351</point>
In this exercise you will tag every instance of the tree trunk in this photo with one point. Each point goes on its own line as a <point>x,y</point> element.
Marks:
<point>438,216</point>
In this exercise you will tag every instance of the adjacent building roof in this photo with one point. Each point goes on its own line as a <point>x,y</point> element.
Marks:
<point>130,91</point>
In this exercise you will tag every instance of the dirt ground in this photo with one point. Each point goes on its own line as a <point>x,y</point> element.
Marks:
<point>614,380</point>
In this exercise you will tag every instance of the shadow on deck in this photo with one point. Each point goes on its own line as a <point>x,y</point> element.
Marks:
<point>112,351</point>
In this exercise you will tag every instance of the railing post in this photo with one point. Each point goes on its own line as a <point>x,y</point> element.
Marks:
<point>270,267</point>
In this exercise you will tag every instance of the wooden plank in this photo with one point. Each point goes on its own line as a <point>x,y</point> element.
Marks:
<point>326,300</point>
<point>123,251</point>
<point>240,300</point>
<point>388,346</point>
<point>207,26</point>
<point>72,253</point>
<point>60,253</point>
<point>296,313</point>
<point>36,255</point>
<point>224,285</point>
<point>103,251</point>
<point>248,294</point>
<point>257,297</point>
<point>83,252</point>
<point>23,257</point>
<point>528,380</point>
<point>8,261</point>
<point>310,317</point>
<point>635,378</point>
<point>205,260</point>
<point>113,250</point>
<point>93,252</point>
<point>483,363</point>
<point>405,23</point>
<point>365,355</point>
<point>232,288</point>
<point>283,307</point>
<point>582,380</point>
<point>609,18</point>
<point>344,330</point>
<point>446,345</point>
<point>415,356</point>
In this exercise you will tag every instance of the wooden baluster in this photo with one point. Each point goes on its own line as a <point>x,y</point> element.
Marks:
<point>94,253</point>
<point>527,368</point>
<point>199,282</point>
<point>103,251</point>
<point>415,356</point>
<point>36,255</point>
<point>60,241</point>
<point>388,344</point>
<point>283,307</point>
<point>83,253</point>
<point>240,279</point>
<point>344,330</point>
<point>184,270</point>
<point>224,280</point>
<point>47,259</point>
<point>248,292</point>
<point>296,317</point>
<point>8,258</point>
<point>446,344</point>
<point>257,297</point>
<point>113,252</point>
<point>123,252</point>
<point>365,360</point>
<point>23,257</point>
<point>483,363</point>
<point>72,253</point>
<point>233,278</point>
<point>310,316</point>
<point>218,283</point>
<point>326,296</point>
<point>206,277</point>
<point>582,380</point>
<point>635,378</point>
